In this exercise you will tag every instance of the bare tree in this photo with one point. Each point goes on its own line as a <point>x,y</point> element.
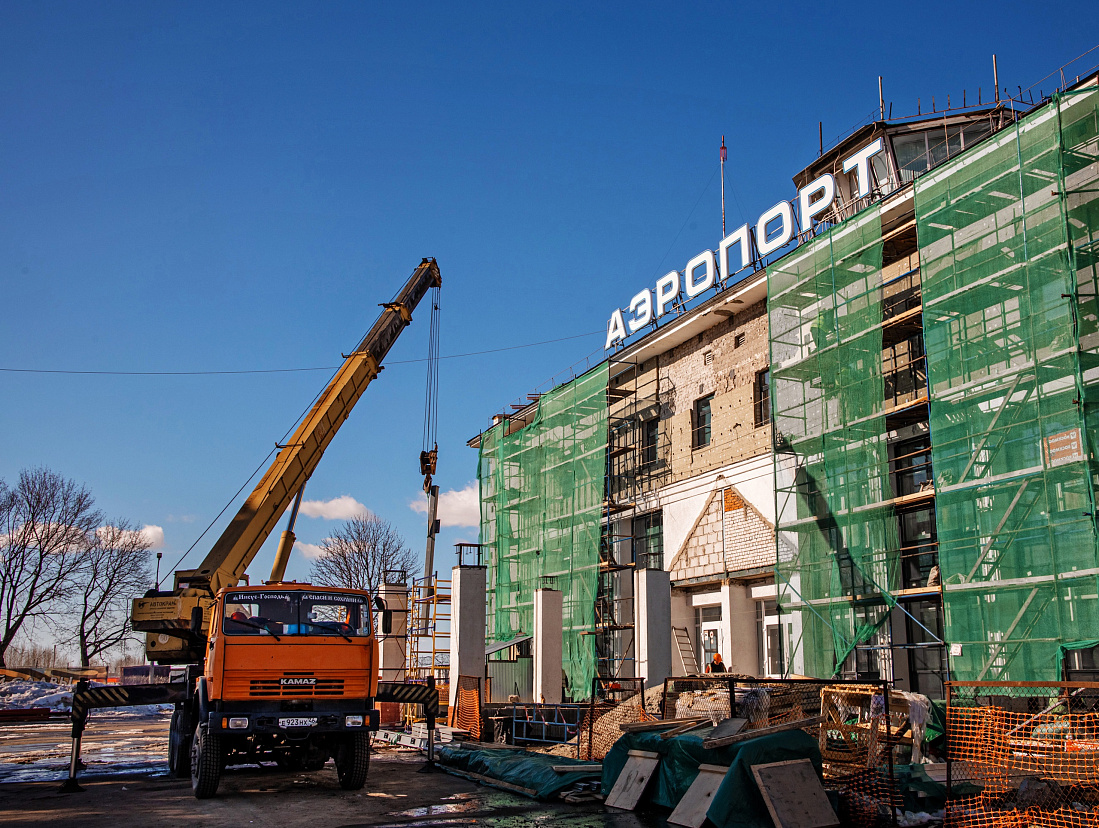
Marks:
<point>113,568</point>
<point>358,554</point>
<point>45,523</point>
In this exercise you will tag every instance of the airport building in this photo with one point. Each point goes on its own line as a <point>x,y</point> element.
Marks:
<point>854,440</point>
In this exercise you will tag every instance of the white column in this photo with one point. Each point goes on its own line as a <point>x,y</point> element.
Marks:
<point>653,625</point>
<point>548,625</point>
<point>738,613</point>
<point>392,655</point>
<point>683,616</point>
<point>467,626</point>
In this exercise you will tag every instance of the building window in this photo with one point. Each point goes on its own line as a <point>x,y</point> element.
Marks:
<point>927,665</point>
<point>650,440</point>
<point>762,397</point>
<point>919,546</point>
<point>738,340</point>
<point>708,358</point>
<point>920,151</point>
<point>648,541</point>
<point>912,465</point>
<point>1082,665</point>
<point>702,422</point>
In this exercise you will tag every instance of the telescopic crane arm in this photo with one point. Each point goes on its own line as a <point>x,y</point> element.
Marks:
<point>230,556</point>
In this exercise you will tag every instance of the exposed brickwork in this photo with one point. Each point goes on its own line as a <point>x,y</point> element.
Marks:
<point>745,541</point>
<point>683,375</point>
<point>730,377</point>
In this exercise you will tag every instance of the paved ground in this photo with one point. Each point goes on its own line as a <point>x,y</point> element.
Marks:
<point>127,786</point>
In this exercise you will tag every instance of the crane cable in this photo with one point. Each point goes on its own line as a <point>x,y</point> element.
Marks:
<point>429,454</point>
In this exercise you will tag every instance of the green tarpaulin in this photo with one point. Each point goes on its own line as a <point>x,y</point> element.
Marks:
<point>533,771</point>
<point>737,803</point>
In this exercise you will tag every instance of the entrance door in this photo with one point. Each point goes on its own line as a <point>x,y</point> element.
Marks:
<point>767,630</point>
<point>709,630</point>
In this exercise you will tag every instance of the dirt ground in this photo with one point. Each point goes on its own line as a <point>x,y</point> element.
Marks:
<point>140,793</point>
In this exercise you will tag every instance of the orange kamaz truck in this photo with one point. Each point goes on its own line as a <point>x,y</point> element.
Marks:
<point>291,674</point>
<point>283,671</point>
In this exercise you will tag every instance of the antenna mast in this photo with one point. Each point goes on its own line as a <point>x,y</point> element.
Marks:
<point>724,154</point>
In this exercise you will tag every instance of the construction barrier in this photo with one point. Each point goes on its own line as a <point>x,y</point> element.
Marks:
<point>467,707</point>
<point>1023,753</point>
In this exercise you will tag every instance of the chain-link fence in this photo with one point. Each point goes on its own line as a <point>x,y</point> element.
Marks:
<point>613,702</point>
<point>1023,753</point>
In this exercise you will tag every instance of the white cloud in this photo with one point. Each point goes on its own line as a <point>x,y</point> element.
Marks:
<point>154,535</point>
<point>344,507</point>
<point>458,507</point>
<point>151,534</point>
<point>310,550</point>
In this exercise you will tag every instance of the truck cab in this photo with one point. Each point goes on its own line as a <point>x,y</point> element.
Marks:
<point>290,676</point>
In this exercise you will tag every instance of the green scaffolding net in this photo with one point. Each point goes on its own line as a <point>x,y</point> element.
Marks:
<point>837,560</point>
<point>1007,238</point>
<point>542,490</point>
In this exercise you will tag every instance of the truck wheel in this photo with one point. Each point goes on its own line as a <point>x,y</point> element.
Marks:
<point>353,761</point>
<point>179,745</point>
<point>207,758</point>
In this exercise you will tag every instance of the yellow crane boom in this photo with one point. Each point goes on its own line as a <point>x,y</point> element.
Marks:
<point>175,631</point>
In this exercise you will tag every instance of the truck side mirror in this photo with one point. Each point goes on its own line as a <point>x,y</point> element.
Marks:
<point>387,622</point>
<point>196,620</point>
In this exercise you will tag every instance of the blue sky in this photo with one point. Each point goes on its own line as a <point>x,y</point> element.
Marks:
<point>205,187</point>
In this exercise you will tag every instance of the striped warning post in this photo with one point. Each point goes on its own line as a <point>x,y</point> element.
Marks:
<point>393,691</point>
<point>125,696</point>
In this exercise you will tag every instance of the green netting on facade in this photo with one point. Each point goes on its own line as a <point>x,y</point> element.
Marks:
<point>542,490</point>
<point>837,546</point>
<point>1007,236</point>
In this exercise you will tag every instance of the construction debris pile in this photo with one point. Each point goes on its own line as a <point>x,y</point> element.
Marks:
<point>599,729</point>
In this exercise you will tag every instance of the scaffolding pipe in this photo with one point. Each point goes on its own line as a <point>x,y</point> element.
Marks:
<point>992,426</point>
<point>996,532</point>
<point>1007,635</point>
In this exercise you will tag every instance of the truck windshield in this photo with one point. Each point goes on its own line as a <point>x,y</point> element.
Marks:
<point>296,613</point>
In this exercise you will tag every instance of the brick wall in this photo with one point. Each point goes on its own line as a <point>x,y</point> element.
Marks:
<point>745,541</point>
<point>731,377</point>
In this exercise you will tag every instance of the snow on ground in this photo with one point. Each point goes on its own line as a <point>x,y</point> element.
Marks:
<point>39,751</point>
<point>19,695</point>
<point>117,740</point>
<point>22,694</point>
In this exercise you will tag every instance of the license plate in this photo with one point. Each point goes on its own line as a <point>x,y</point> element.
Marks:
<point>298,722</point>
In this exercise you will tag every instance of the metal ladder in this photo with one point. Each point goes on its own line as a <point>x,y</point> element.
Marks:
<point>686,650</point>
